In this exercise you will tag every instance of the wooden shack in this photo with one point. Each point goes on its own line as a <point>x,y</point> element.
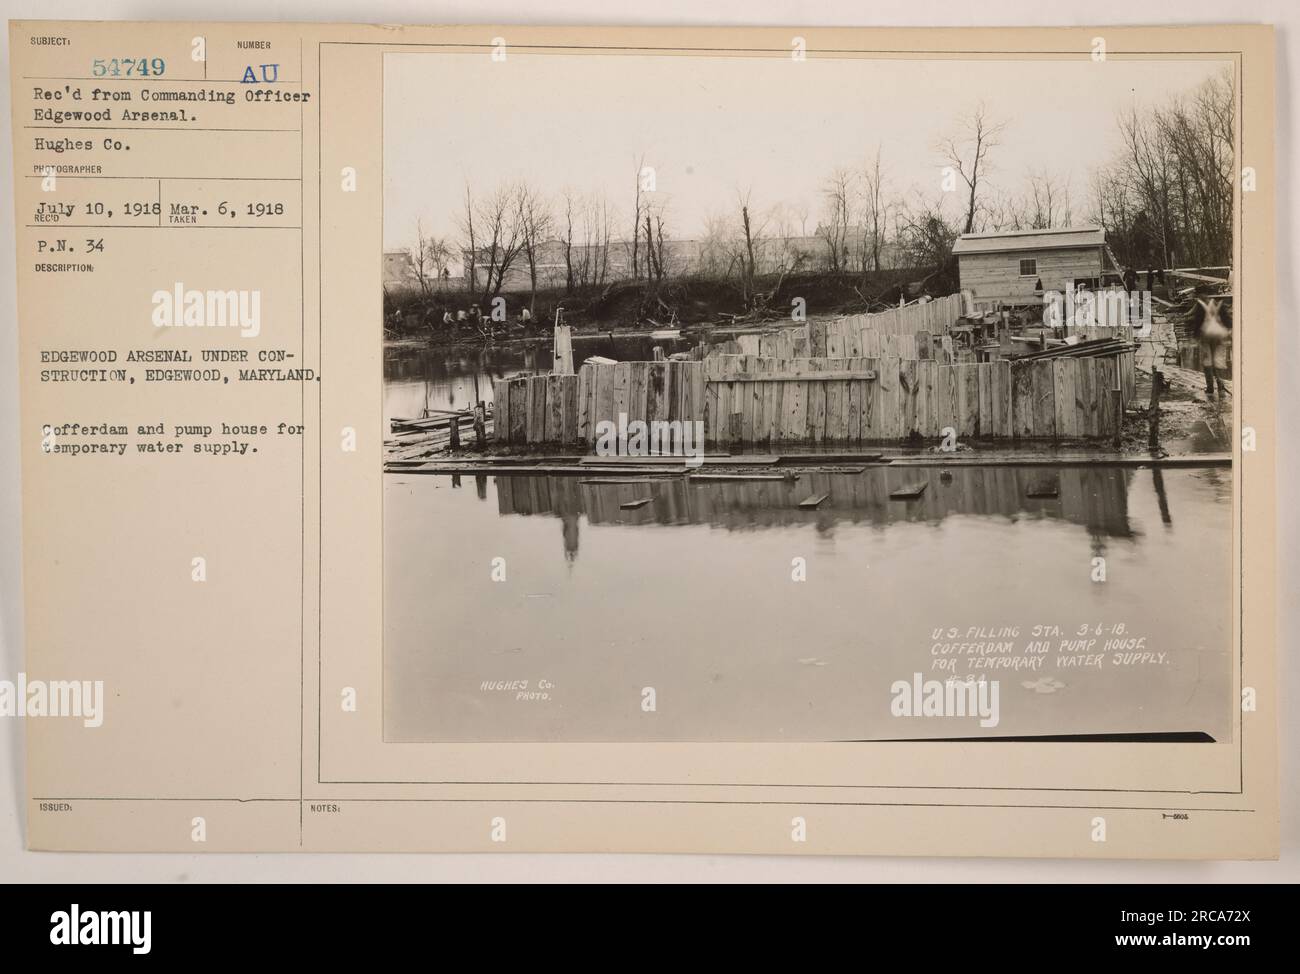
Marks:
<point>1015,267</point>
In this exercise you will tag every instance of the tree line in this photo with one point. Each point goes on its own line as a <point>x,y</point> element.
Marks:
<point>1165,199</point>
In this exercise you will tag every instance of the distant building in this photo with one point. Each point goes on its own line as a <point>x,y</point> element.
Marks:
<point>399,269</point>
<point>1011,266</point>
<point>401,273</point>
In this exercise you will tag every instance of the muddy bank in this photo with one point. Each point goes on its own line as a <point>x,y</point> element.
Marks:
<point>1189,421</point>
<point>631,307</point>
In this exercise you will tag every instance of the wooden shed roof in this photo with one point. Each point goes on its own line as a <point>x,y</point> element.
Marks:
<point>1019,240</point>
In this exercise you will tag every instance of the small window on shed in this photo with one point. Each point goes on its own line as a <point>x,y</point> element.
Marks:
<point>1029,268</point>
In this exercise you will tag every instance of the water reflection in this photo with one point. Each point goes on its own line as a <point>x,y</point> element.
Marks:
<point>693,594</point>
<point>1095,498</point>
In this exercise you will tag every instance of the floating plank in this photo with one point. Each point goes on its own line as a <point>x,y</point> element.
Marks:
<point>813,501</point>
<point>471,466</point>
<point>743,460</point>
<point>626,480</point>
<point>431,424</point>
<point>633,505</point>
<point>1062,460</point>
<point>824,458</point>
<point>909,491</point>
<point>741,476</point>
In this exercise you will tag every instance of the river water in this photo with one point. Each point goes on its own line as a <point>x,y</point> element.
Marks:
<point>695,596</point>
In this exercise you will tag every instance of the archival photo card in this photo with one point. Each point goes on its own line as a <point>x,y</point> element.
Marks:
<point>782,440</point>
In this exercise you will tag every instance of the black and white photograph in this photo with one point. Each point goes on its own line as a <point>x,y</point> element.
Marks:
<point>678,444</point>
<point>807,399</point>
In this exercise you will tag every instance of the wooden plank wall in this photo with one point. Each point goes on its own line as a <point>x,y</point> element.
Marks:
<point>935,317</point>
<point>850,399</point>
<point>996,276</point>
<point>536,410</point>
<point>784,343</point>
<point>837,342</point>
<point>893,399</point>
<point>645,391</point>
<point>1064,398</point>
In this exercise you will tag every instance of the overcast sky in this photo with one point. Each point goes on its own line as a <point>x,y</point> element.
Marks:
<point>711,125</point>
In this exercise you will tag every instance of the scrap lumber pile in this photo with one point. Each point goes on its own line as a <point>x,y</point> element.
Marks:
<point>1099,348</point>
<point>412,438</point>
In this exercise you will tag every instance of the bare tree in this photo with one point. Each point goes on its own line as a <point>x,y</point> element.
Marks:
<point>569,207</point>
<point>873,212</point>
<point>429,260</point>
<point>924,234</point>
<point>1049,201</point>
<point>800,212</point>
<point>598,235</point>
<point>467,227</point>
<point>967,153</point>
<point>500,220</point>
<point>1003,211</point>
<point>535,224</point>
<point>781,251</point>
<point>747,252</point>
<point>717,246</point>
<point>636,218</point>
<point>837,217</point>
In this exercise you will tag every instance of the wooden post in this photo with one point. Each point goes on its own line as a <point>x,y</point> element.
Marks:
<point>1117,408</point>
<point>658,353</point>
<point>563,353</point>
<point>454,429</point>
<point>1153,412</point>
<point>480,425</point>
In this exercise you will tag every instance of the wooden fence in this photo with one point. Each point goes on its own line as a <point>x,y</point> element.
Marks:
<point>862,344</point>
<point>783,343</point>
<point>537,409</point>
<point>746,401</point>
<point>931,317</point>
<point>567,409</point>
<point>886,333</point>
<point>825,402</point>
